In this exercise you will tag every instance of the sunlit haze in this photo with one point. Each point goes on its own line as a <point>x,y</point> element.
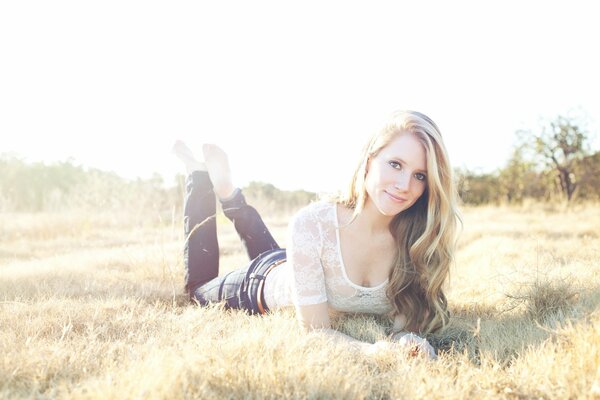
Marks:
<point>290,90</point>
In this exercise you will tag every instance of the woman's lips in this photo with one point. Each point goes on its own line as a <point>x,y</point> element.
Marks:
<point>396,198</point>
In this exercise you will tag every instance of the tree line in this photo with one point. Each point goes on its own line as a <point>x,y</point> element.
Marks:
<point>65,186</point>
<point>551,163</point>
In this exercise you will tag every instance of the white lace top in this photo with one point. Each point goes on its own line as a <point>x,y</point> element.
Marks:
<point>314,271</point>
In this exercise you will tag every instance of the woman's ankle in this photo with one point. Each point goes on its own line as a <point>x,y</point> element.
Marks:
<point>201,179</point>
<point>232,194</point>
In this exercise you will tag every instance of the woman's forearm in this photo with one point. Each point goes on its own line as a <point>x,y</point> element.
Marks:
<point>408,340</point>
<point>343,338</point>
<point>395,336</point>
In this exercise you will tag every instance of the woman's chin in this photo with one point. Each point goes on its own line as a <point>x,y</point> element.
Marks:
<point>387,206</point>
<point>393,208</point>
<point>390,210</point>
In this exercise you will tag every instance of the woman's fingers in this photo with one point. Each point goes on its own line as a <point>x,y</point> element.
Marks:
<point>428,350</point>
<point>380,346</point>
<point>417,346</point>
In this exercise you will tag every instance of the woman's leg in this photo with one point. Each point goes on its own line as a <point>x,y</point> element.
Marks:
<point>230,288</point>
<point>249,225</point>
<point>240,289</point>
<point>201,251</point>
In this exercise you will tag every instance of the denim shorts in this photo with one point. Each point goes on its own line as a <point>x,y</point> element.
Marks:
<point>242,288</point>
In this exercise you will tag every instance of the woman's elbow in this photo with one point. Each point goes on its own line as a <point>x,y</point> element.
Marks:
<point>313,316</point>
<point>307,328</point>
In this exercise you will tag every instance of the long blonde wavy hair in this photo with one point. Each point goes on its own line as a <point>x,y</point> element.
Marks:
<point>425,233</point>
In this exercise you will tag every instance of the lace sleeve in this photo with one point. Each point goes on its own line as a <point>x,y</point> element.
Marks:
<point>304,246</point>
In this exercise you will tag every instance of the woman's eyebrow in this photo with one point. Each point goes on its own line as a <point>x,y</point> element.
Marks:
<point>401,161</point>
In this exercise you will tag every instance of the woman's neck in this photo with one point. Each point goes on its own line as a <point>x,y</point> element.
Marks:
<point>370,221</point>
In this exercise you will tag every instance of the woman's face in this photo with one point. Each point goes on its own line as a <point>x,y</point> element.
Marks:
<point>397,176</point>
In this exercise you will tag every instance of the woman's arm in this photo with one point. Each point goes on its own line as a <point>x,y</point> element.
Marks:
<point>304,246</point>
<point>315,317</point>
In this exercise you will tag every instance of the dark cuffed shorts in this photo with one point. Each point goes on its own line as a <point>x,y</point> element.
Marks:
<point>239,288</point>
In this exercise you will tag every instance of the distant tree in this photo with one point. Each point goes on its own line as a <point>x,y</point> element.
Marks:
<point>261,189</point>
<point>478,188</point>
<point>520,179</point>
<point>36,186</point>
<point>514,176</point>
<point>270,200</point>
<point>589,171</point>
<point>560,145</point>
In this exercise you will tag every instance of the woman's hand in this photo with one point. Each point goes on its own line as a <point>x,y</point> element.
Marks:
<point>411,347</point>
<point>416,345</point>
<point>380,347</point>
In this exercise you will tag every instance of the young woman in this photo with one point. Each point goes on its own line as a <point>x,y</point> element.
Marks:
<point>385,247</point>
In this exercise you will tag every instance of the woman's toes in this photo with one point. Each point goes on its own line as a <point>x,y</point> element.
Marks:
<point>185,154</point>
<point>217,165</point>
<point>182,150</point>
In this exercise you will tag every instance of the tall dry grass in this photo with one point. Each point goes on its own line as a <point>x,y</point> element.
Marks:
<point>92,307</point>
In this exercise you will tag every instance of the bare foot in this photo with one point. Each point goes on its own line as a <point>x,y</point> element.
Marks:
<point>184,153</point>
<point>217,165</point>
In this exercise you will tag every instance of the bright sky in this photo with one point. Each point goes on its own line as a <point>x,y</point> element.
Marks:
<point>290,90</point>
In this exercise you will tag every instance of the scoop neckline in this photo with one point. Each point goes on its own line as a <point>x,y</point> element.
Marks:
<point>341,257</point>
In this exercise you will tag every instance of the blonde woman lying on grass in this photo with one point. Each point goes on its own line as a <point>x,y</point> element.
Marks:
<point>383,248</point>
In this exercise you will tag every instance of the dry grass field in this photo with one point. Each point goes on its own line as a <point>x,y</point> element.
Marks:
<point>91,306</point>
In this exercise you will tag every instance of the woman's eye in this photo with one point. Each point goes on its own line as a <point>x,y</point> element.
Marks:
<point>420,177</point>
<point>396,164</point>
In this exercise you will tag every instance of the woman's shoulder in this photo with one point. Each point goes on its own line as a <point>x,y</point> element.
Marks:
<point>318,210</point>
<point>317,207</point>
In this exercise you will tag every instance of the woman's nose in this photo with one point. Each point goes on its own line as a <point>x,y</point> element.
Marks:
<point>403,182</point>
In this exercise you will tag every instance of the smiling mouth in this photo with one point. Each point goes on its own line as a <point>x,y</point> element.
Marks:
<point>396,199</point>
